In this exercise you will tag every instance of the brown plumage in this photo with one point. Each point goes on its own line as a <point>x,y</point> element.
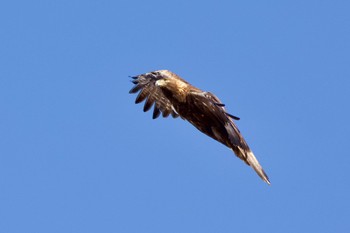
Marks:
<point>171,95</point>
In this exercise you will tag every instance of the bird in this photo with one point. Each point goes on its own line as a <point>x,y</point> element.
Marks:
<point>172,95</point>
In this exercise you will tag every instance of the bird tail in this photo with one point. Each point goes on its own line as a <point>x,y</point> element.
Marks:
<point>250,159</point>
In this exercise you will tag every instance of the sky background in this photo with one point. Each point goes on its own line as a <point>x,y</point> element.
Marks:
<point>77,155</point>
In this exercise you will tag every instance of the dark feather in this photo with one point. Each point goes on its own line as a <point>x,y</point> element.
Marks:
<point>174,115</point>
<point>220,104</point>
<point>135,89</point>
<point>149,103</point>
<point>165,113</point>
<point>156,112</point>
<point>141,96</point>
<point>233,117</point>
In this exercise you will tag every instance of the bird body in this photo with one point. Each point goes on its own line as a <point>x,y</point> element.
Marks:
<point>170,94</point>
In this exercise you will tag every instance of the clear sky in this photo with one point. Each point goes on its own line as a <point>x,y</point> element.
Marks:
<point>77,155</point>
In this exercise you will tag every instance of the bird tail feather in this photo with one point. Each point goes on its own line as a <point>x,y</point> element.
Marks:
<point>250,159</point>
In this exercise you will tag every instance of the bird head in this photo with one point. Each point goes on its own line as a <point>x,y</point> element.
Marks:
<point>162,82</point>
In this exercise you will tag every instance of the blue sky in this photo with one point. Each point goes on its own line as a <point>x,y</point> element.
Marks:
<point>77,155</point>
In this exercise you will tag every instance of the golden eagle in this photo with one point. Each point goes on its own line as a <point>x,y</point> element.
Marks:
<point>171,95</point>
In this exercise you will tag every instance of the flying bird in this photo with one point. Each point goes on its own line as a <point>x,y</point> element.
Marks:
<point>171,95</point>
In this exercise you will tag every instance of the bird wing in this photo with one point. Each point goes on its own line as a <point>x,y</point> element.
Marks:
<point>218,124</point>
<point>145,85</point>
